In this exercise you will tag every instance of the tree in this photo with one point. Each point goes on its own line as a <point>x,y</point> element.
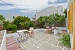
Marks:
<point>11,27</point>
<point>59,20</point>
<point>51,20</point>
<point>26,24</point>
<point>5,24</point>
<point>65,12</point>
<point>41,21</point>
<point>1,17</point>
<point>20,19</point>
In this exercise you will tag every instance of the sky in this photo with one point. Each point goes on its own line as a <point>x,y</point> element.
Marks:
<point>27,7</point>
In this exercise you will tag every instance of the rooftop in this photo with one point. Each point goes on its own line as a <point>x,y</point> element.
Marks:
<point>11,43</point>
<point>42,41</point>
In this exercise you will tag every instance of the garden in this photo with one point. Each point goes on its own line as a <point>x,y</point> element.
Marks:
<point>23,22</point>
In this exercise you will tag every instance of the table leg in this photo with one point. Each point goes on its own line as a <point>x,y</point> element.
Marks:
<point>20,37</point>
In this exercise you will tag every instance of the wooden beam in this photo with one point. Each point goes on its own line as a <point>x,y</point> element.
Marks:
<point>74,25</point>
<point>70,18</point>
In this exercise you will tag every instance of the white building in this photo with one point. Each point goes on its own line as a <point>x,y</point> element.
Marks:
<point>50,10</point>
<point>10,16</point>
<point>45,12</point>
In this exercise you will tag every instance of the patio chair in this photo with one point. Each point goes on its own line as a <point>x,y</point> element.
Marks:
<point>31,32</point>
<point>49,30</point>
<point>12,44</point>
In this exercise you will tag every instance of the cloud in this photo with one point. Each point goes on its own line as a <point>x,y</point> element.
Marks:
<point>54,1</point>
<point>6,7</point>
<point>64,5</point>
<point>1,2</point>
<point>28,4</point>
<point>24,11</point>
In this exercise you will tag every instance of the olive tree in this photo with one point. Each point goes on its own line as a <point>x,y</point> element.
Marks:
<point>19,20</point>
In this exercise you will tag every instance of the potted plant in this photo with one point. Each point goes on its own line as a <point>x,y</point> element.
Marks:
<point>1,25</point>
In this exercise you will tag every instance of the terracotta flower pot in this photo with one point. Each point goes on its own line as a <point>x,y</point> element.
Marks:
<point>1,27</point>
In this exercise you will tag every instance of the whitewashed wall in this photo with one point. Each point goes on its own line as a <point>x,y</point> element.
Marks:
<point>50,10</point>
<point>61,28</point>
<point>3,44</point>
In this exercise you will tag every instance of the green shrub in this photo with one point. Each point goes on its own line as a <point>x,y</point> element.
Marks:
<point>59,20</point>
<point>65,40</point>
<point>11,27</point>
<point>1,17</point>
<point>41,22</point>
<point>20,19</point>
<point>34,24</point>
<point>5,24</point>
<point>26,24</point>
<point>1,22</point>
<point>56,20</point>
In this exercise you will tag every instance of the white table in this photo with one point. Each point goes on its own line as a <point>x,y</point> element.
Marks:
<point>20,35</point>
<point>21,30</point>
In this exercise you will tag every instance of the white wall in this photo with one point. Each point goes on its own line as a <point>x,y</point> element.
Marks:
<point>9,16</point>
<point>60,10</point>
<point>50,10</point>
<point>66,21</point>
<point>3,44</point>
<point>61,28</point>
<point>71,40</point>
<point>46,12</point>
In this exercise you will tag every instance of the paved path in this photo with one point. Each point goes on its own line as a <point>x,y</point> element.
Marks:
<point>43,41</point>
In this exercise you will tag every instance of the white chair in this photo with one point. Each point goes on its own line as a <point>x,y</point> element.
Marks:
<point>31,31</point>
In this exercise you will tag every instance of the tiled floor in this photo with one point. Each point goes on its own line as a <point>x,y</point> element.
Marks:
<point>12,44</point>
<point>43,41</point>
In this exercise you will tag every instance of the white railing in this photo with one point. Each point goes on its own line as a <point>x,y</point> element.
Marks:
<point>3,44</point>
